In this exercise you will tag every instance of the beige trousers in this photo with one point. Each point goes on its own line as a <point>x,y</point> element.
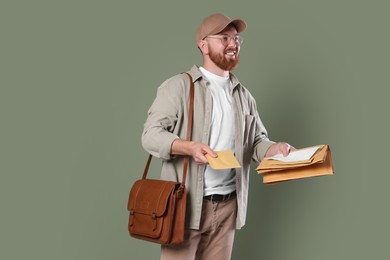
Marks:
<point>214,240</point>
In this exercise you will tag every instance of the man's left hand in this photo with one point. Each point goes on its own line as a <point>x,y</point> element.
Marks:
<point>279,148</point>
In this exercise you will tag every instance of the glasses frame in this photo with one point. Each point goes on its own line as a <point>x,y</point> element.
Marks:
<point>226,39</point>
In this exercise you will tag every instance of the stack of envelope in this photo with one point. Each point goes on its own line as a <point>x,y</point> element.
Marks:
<point>302,163</point>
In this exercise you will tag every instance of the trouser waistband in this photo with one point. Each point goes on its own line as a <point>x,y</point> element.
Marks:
<point>219,197</point>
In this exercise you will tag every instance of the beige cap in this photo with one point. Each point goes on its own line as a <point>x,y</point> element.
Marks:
<point>215,23</point>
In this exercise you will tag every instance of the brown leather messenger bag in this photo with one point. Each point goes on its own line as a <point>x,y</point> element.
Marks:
<point>157,208</point>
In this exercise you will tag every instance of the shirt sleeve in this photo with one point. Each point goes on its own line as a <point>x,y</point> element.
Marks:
<point>158,136</point>
<point>261,140</point>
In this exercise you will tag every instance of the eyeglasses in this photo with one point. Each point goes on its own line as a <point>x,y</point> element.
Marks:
<point>225,39</point>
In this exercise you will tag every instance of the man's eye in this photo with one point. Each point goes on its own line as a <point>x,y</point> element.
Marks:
<point>225,38</point>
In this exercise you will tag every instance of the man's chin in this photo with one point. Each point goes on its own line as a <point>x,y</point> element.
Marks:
<point>232,65</point>
<point>226,62</point>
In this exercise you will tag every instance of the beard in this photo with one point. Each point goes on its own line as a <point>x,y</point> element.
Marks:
<point>222,62</point>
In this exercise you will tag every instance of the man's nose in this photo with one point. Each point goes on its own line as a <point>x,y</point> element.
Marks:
<point>232,42</point>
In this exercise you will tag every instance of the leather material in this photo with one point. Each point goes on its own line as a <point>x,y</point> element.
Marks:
<point>157,208</point>
<point>220,198</point>
<point>157,211</point>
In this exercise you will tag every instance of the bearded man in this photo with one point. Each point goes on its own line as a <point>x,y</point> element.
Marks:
<point>225,118</point>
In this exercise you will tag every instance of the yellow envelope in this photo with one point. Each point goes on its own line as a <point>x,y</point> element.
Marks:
<point>276,171</point>
<point>225,160</point>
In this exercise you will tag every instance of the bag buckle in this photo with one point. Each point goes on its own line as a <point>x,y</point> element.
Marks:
<point>180,192</point>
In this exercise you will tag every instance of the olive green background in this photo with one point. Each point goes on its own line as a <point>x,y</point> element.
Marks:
<point>77,78</point>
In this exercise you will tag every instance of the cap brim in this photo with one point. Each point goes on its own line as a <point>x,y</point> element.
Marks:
<point>238,23</point>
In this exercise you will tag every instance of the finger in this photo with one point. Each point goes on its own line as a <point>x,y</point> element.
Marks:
<point>210,152</point>
<point>286,149</point>
<point>203,160</point>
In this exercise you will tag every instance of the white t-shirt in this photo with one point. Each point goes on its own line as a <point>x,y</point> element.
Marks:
<point>221,133</point>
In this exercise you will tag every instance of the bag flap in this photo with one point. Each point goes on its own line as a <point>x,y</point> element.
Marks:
<point>150,196</point>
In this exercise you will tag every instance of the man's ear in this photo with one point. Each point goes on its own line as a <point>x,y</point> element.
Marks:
<point>203,46</point>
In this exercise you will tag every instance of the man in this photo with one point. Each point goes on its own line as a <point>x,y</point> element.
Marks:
<point>225,118</point>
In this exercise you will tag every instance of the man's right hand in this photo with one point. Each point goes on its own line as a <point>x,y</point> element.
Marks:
<point>194,149</point>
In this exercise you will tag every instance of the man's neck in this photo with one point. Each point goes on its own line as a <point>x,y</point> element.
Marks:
<point>211,67</point>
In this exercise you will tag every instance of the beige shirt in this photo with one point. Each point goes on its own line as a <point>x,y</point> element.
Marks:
<point>167,121</point>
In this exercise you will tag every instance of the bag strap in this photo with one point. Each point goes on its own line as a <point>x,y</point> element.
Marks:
<point>189,129</point>
<point>188,136</point>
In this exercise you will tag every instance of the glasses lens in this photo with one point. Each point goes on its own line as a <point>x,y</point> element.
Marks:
<point>238,39</point>
<point>225,39</point>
